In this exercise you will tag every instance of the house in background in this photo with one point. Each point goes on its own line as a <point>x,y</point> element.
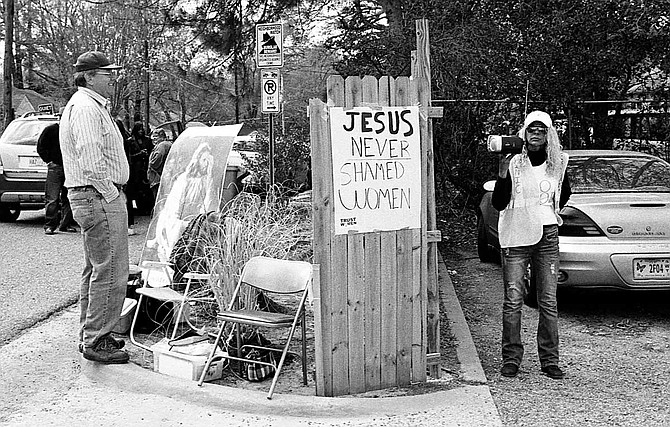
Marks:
<point>27,100</point>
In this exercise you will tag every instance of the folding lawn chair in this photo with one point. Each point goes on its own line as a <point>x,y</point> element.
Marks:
<point>161,290</point>
<point>270,276</point>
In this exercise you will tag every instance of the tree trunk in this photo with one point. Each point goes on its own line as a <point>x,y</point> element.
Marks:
<point>146,87</point>
<point>9,60</point>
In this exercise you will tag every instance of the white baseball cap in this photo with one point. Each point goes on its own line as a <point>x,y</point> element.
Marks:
<point>538,116</point>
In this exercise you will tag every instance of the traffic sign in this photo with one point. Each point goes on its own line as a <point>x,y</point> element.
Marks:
<point>270,91</point>
<point>269,49</point>
<point>46,108</point>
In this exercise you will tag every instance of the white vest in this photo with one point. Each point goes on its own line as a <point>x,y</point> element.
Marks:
<point>520,223</point>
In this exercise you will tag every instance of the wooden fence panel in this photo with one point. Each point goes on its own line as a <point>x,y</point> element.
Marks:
<point>404,304</point>
<point>389,267</point>
<point>373,92</point>
<point>372,310</point>
<point>431,311</point>
<point>339,271</point>
<point>322,185</point>
<point>371,316</point>
<point>355,320</point>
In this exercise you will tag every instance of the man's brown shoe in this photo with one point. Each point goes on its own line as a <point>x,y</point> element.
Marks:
<point>120,343</point>
<point>106,351</point>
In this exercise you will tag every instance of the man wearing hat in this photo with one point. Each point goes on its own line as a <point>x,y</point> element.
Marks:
<point>530,190</point>
<point>96,168</point>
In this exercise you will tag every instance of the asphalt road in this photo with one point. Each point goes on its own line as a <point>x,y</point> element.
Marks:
<point>39,274</point>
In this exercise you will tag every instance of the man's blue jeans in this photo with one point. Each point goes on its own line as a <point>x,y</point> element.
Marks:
<point>105,276</point>
<point>543,257</point>
<point>58,214</point>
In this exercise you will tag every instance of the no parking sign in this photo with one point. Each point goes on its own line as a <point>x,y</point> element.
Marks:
<point>270,91</point>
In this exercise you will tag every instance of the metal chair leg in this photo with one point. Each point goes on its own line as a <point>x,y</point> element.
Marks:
<point>210,358</point>
<point>132,326</point>
<point>182,303</point>
<point>304,349</point>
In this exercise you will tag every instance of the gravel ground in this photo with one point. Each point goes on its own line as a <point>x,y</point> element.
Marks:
<point>614,349</point>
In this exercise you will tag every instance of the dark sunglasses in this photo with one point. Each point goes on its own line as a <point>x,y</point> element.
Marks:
<point>537,129</point>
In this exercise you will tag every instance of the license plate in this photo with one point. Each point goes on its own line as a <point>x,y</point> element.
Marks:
<point>651,268</point>
<point>30,162</point>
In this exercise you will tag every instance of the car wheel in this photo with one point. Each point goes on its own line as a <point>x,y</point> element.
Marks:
<point>484,250</point>
<point>9,213</point>
<point>530,289</point>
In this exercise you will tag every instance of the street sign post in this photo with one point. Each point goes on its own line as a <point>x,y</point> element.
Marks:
<point>270,104</point>
<point>270,55</point>
<point>269,49</point>
<point>270,91</point>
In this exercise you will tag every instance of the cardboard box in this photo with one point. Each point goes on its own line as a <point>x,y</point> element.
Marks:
<point>178,364</point>
<point>126,318</point>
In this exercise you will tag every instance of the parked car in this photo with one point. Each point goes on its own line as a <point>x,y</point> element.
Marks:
<point>616,225</point>
<point>22,171</point>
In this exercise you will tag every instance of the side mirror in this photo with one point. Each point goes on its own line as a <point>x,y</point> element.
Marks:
<point>489,185</point>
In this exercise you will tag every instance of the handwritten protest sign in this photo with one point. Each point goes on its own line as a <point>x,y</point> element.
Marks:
<point>376,168</point>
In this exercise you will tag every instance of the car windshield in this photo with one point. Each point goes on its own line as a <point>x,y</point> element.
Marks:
<point>23,132</point>
<point>617,174</point>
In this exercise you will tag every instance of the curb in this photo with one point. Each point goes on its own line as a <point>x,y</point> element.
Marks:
<point>471,367</point>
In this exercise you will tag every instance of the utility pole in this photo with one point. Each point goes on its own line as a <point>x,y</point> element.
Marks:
<point>9,60</point>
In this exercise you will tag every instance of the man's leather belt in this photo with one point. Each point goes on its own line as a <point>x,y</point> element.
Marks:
<point>90,187</point>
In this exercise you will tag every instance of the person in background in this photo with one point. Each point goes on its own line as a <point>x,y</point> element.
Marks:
<point>127,140</point>
<point>58,215</point>
<point>157,159</point>
<point>139,147</point>
<point>95,171</point>
<point>121,118</point>
<point>530,190</point>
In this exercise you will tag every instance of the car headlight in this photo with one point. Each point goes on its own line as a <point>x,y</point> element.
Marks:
<point>577,223</point>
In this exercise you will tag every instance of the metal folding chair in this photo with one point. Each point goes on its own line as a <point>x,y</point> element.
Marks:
<point>271,276</point>
<point>157,285</point>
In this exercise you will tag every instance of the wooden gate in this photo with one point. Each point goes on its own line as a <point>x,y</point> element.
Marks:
<point>376,309</point>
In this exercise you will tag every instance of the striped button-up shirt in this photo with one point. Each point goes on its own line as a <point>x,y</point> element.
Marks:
<point>92,145</point>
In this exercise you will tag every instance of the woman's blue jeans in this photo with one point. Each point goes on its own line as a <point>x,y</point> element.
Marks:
<point>543,258</point>
<point>105,276</point>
